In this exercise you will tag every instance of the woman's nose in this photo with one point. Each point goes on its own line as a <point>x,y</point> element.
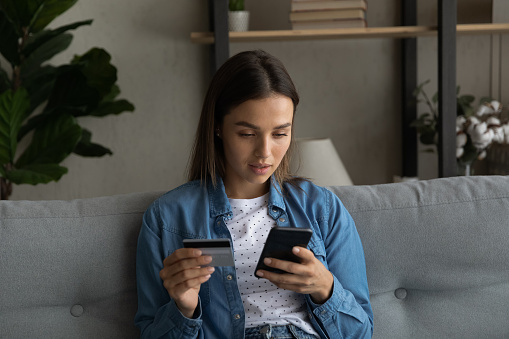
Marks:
<point>263,148</point>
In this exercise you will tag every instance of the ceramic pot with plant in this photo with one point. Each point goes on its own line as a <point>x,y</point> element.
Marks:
<point>238,17</point>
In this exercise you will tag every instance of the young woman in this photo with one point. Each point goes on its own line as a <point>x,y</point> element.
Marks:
<point>239,188</point>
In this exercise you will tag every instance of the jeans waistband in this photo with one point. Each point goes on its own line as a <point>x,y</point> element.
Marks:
<point>277,332</point>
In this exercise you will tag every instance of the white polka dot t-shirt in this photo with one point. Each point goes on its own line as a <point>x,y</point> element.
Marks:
<point>264,303</point>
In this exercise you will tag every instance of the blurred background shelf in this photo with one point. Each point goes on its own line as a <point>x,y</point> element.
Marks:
<point>348,33</point>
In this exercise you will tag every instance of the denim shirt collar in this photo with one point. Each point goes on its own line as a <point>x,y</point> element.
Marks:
<point>220,205</point>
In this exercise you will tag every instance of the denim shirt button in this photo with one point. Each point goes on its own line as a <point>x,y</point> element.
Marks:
<point>237,316</point>
<point>229,277</point>
<point>282,219</point>
<point>219,222</point>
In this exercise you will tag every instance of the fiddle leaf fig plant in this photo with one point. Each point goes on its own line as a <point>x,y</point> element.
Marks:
<point>41,104</point>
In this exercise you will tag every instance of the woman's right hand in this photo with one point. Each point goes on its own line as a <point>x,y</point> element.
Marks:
<point>183,275</point>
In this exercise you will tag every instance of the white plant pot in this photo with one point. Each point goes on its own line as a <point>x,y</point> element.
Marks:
<point>238,21</point>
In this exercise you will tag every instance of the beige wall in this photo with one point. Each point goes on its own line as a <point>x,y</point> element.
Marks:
<point>349,91</point>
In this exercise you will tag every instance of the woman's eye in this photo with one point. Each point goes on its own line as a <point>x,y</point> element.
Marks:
<point>280,135</point>
<point>246,134</point>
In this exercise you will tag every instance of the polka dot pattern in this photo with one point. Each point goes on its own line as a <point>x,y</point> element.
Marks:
<point>263,302</point>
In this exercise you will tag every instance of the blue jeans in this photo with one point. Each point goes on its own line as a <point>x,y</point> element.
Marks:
<point>277,332</point>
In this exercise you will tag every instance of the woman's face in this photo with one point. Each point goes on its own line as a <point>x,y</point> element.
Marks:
<point>256,135</point>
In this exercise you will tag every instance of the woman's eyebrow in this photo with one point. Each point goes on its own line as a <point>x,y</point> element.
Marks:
<point>249,125</point>
<point>246,124</point>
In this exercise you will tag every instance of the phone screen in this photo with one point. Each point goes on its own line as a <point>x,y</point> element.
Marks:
<point>279,245</point>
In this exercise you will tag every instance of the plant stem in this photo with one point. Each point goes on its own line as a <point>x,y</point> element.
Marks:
<point>430,104</point>
<point>5,189</point>
<point>16,72</point>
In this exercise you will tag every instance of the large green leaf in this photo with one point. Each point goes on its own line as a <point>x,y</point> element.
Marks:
<point>71,89</point>
<point>13,108</point>
<point>18,11</point>
<point>8,40</point>
<point>35,14</point>
<point>36,174</point>
<point>39,85</point>
<point>44,53</point>
<point>47,117</point>
<point>112,107</point>
<point>48,11</point>
<point>86,148</point>
<point>39,39</point>
<point>98,70</point>
<point>51,142</point>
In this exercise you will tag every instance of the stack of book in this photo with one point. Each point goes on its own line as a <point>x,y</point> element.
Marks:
<point>324,14</point>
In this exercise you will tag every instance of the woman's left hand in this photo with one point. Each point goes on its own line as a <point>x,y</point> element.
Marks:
<point>308,277</point>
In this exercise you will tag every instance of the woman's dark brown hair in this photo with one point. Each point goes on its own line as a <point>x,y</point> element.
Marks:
<point>245,76</point>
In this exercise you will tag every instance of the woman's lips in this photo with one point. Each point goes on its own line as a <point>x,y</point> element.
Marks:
<point>259,169</point>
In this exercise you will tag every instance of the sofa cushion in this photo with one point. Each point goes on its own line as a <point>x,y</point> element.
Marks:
<point>68,267</point>
<point>437,256</point>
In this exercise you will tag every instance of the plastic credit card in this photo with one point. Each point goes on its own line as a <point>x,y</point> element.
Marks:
<point>219,249</point>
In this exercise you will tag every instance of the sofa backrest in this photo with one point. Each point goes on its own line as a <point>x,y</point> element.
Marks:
<point>437,256</point>
<point>67,268</point>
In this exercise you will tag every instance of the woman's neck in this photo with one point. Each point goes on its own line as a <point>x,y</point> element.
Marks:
<point>247,191</point>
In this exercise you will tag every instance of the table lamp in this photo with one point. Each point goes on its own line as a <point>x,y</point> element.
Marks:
<point>318,160</point>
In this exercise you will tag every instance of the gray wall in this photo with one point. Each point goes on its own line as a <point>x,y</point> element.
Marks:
<point>349,90</point>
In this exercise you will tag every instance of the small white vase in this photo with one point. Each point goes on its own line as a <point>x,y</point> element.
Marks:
<point>238,21</point>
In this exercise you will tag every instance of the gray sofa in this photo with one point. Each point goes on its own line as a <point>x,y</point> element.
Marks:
<point>437,254</point>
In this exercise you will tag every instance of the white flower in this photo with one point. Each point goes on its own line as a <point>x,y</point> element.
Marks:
<point>460,121</point>
<point>459,152</point>
<point>484,109</point>
<point>498,134</point>
<point>488,108</point>
<point>481,135</point>
<point>495,105</point>
<point>461,139</point>
<point>473,120</point>
<point>493,121</point>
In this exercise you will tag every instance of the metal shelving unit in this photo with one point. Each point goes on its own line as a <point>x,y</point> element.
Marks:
<point>219,38</point>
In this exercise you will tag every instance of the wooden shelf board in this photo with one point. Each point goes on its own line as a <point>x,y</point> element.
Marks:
<point>348,33</point>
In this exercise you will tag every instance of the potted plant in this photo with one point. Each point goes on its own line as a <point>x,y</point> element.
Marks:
<point>238,17</point>
<point>476,129</point>
<point>41,104</point>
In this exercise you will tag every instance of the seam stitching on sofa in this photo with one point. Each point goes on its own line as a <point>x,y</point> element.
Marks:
<point>71,216</point>
<point>380,208</point>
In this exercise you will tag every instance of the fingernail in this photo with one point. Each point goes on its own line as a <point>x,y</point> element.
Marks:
<point>197,253</point>
<point>259,273</point>
<point>267,261</point>
<point>296,250</point>
<point>211,269</point>
<point>208,259</point>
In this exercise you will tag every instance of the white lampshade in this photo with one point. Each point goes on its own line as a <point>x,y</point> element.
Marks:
<point>318,160</point>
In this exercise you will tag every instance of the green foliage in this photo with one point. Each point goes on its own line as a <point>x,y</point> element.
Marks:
<point>236,5</point>
<point>426,123</point>
<point>41,102</point>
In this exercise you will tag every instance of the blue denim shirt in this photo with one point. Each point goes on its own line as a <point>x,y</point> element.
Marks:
<point>199,211</point>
